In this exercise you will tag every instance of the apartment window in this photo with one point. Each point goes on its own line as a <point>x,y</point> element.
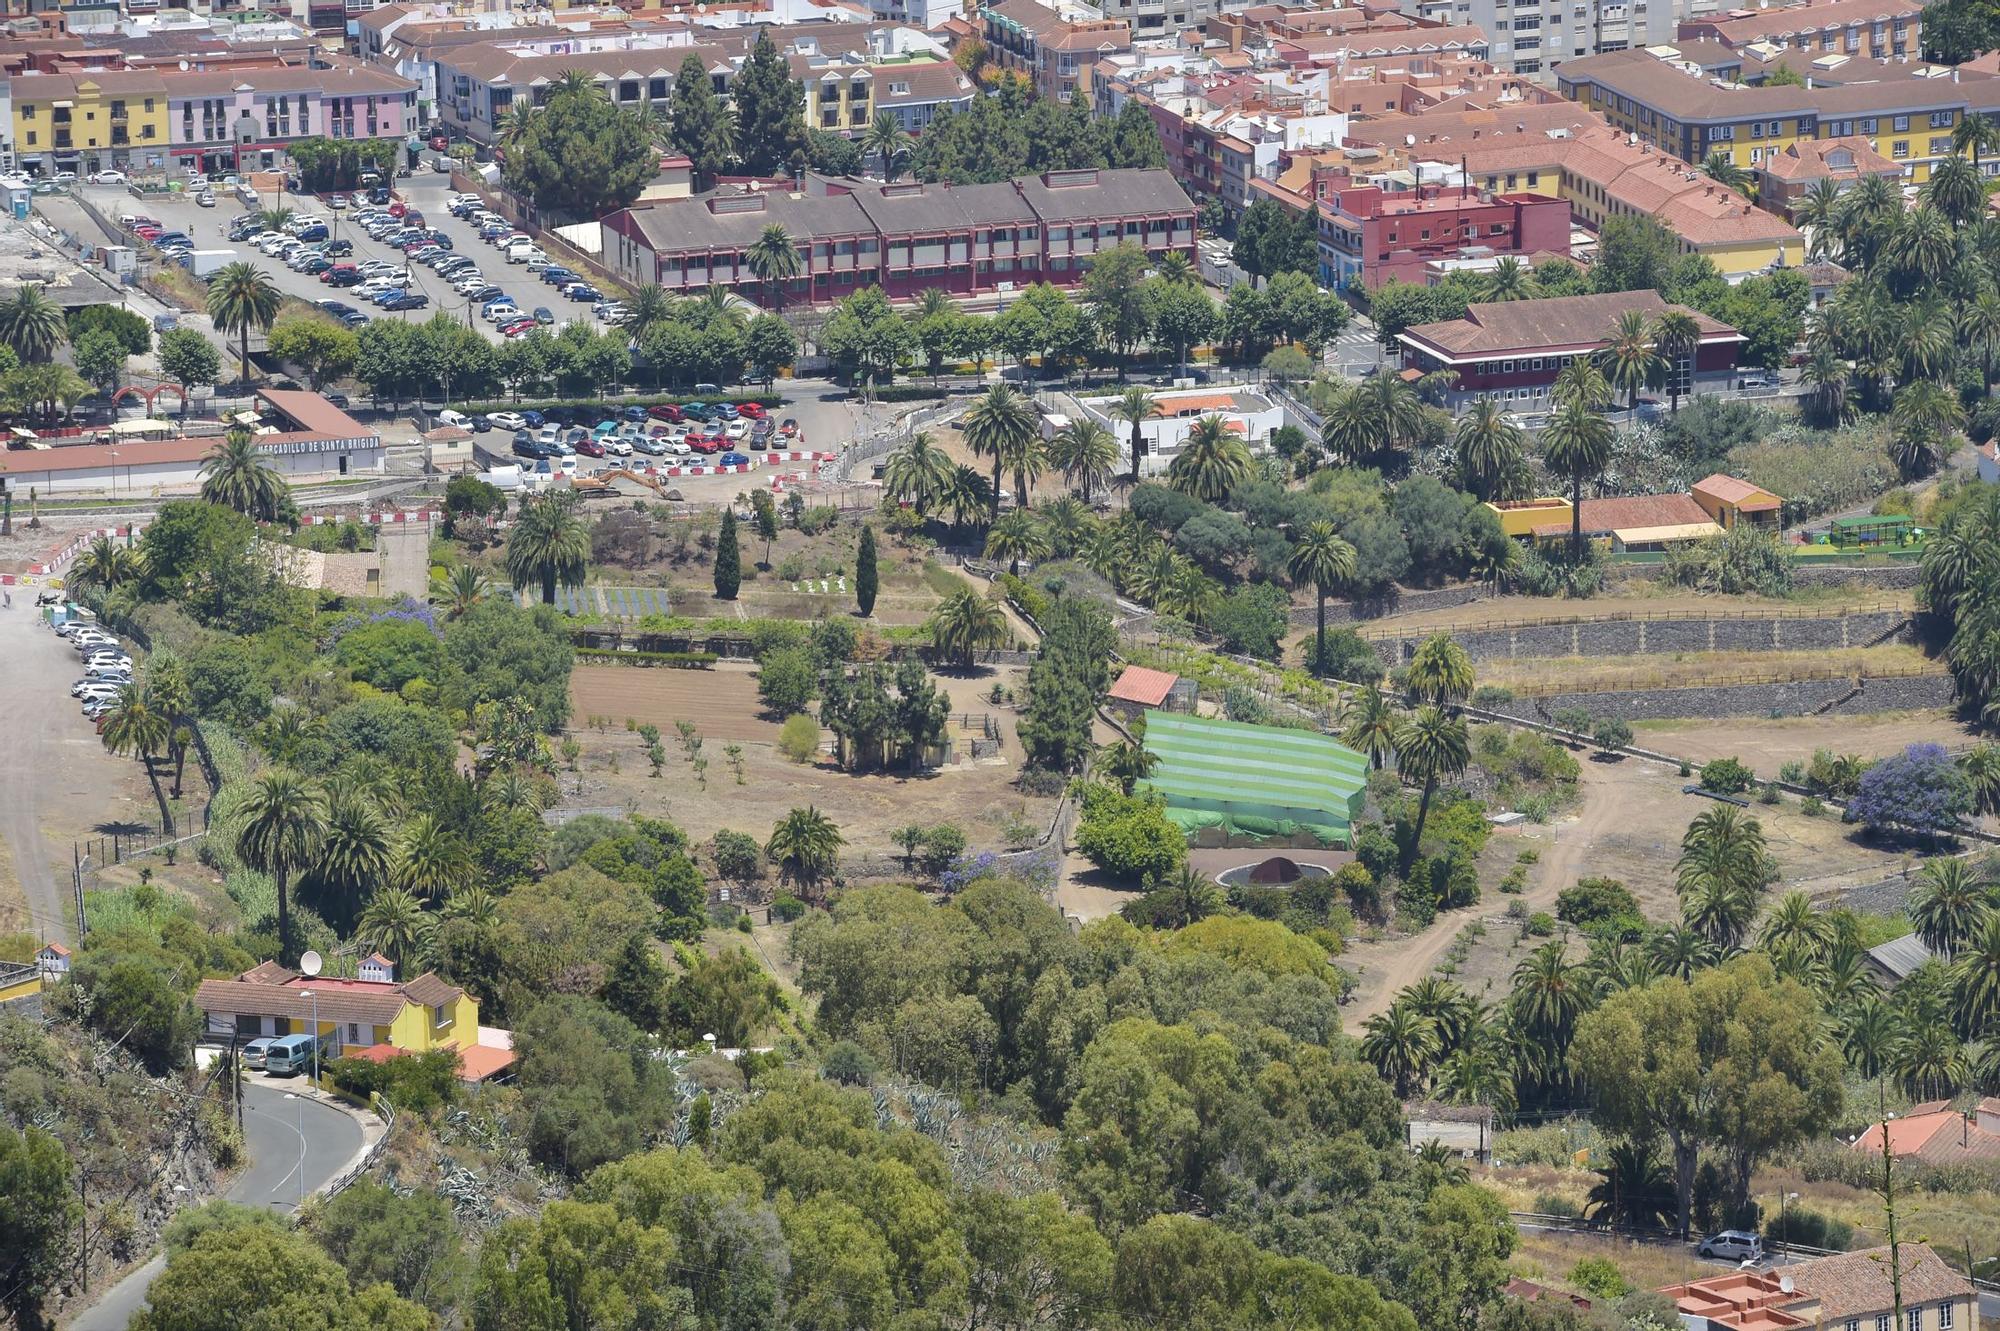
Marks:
<point>1939,147</point>
<point>354,1032</point>
<point>1506,367</point>
<point>1869,125</point>
<point>1534,179</point>
<point>1854,1324</point>
<point>1756,129</point>
<point>1945,1311</point>
<point>1901,123</point>
<point>1722,134</point>
<point>656,89</point>
<point>1899,149</point>
<point>1535,364</point>
<point>441,1014</point>
<point>1942,119</point>
<point>1881,1322</point>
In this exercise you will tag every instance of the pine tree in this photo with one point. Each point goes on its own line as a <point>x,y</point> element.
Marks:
<point>636,985</point>
<point>728,559</point>
<point>696,116</point>
<point>770,111</point>
<point>864,573</point>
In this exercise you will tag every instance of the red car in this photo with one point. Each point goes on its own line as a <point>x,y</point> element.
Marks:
<point>666,411</point>
<point>397,208</point>
<point>789,428</point>
<point>750,411</point>
<point>590,448</point>
<point>439,143</point>
<point>518,327</point>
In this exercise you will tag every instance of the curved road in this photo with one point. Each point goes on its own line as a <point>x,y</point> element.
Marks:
<point>281,1158</point>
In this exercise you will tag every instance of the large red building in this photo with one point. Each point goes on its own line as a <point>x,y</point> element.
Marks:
<point>905,238</point>
<point>1369,235</point>
<point>1513,350</point>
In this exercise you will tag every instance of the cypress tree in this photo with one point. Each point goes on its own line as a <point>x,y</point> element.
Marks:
<point>864,573</point>
<point>695,115</point>
<point>770,110</point>
<point>728,559</point>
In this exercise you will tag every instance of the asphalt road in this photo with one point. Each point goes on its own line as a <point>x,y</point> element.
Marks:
<point>281,1159</point>
<point>427,191</point>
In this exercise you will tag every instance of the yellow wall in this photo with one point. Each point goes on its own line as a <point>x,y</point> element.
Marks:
<point>91,124</point>
<point>1545,181</point>
<point>23,989</point>
<point>852,117</point>
<point>1521,522</point>
<point>414,1030</point>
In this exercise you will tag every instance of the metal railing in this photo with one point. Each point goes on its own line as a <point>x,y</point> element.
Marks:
<point>1754,613</point>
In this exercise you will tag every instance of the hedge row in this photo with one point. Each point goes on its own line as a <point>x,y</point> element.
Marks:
<point>911,393</point>
<point>672,660</point>
<point>619,403</point>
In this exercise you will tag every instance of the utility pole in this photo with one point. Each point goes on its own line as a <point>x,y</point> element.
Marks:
<point>1889,1207</point>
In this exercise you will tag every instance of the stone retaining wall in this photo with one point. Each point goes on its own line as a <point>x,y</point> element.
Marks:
<point>1660,637</point>
<point>1798,698</point>
<point>1399,601</point>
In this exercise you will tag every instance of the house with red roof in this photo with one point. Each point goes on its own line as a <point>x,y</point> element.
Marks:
<point>1139,689</point>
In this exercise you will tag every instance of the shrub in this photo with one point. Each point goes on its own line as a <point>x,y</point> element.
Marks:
<point>1811,806</point>
<point>1770,794</point>
<point>416,1082</point>
<point>798,738</point>
<point>672,660</point>
<point>1600,1276</point>
<point>1612,733</point>
<point>849,1064</point>
<point>1726,776</point>
<point>1837,775</point>
<point>1129,836</point>
<point>1549,1203</point>
<point>787,908</point>
<point>1802,1225</point>
<point>1492,695</point>
<point>941,845</point>
<point>1541,924</point>
<point>1349,657</point>
<point>1596,901</point>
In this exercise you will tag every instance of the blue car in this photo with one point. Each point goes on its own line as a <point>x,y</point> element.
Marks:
<point>535,419</point>
<point>312,233</point>
<point>586,293</point>
<point>732,460</point>
<point>727,411</point>
<point>635,413</point>
<point>558,275</point>
<point>409,300</point>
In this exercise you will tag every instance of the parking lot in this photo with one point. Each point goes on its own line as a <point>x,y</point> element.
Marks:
<point>426,191</point>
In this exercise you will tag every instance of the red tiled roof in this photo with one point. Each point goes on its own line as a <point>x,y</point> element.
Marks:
<point>483,1061</point>
<point>1745,496</point>
<point>1636,511</point>
<point>1562,323</point>
<point>1148,688</point>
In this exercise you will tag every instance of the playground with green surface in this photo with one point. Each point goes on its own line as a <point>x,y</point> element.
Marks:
<point>1254,782</point>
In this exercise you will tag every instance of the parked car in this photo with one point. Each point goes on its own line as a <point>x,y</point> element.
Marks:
<point>107,177</point>
<point>591,448</point>
<point>509,420</point>
<point>1736,1245</point>
<point>253,1053</point>
<point>666,411</point>
<point>651,447</point>
<point>584,293</point>
<point>754,410</point>
<point>544,315</point>
<point>733,460</point>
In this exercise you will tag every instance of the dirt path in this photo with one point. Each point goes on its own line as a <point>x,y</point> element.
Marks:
<point>1385,968</point>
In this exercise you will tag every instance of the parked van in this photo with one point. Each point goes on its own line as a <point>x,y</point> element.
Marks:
<point>289,1055</point>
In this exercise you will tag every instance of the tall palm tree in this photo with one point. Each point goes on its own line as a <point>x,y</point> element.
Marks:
<point>1212,462</point>
<point>1981,767</point>
<point>1629,361</point>
<point>1016,537</point>
<point>1371,727</point>
<point>1403,1044</point>
<point>135,726</point>
<point>1720,167</point>
<point>1549,994</point>
<point>284,818</point>
<point>1431,746</point>
<point>172,694</point>
<point>997,425</point>
<point>32,324</point>
<point>1366,420</point>
<point>1831,398</point>
<point>1125,764</point>
<point>240,298</point>
<point>1979,332</point>
<point>575,82</point>
<point>963,623</point>
<point>512,128</point>
<point>886,138</point>
<point>1085,453</point>
<point>1817,212</point>
<point>104,564</point>
<point>1135,406</point>
<point>1925,245</point>
<point>918,473</point>
<point>1440,672</point>
<point>1975,133</point>
<point>549,545</point>
<point>1576,444</point>
<point>1976,973</point>
<point>805,845</point>
<point>353,855</point>
<point>1930,1060</point>
<point>1676,338</point>
<point>774,258</point>
<point>1510,280</point>
<point>460,590</point>
<point>1721,873</point>
<point>395,925</point>
<point>1796,937</point>
<point>1949,904</point>
<point>1635,1187</point>
<point>1925,342</point>
<point>1955,189</point>
<point>1024,456</point>
<point>1490,449</point>
<point>1069,525</point>
<point>431,861</point>
<point>1679,952</point>
<point>1324,560</point>
<point>237,474</point>
<point>1921,422</point>
<point>1581,381</point>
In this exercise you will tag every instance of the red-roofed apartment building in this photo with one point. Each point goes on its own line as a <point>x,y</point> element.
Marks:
<point>1513,350</point>
<point>1937,1134</point>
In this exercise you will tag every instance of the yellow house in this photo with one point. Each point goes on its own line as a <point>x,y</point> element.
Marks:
<point>1520,517</point>
<point>1731,502</point>
<point>91,121</point>
<point>839,99</point>
<point>415,1016</point>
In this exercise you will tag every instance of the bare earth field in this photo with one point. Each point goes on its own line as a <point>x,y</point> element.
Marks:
<point>868,807</point>
<point>1532,676</point>
<point>1769,744</point>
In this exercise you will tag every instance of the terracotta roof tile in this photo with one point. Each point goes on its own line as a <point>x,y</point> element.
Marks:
<point>1855,1283</point>
<point>1148,688</point>
<point>1563,323</point>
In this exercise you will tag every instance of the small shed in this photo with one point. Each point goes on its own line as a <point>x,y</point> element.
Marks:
<point>1894,960</point>
<point>1139,689</point>
<point>53,960</point>
<point>1467,1129</point>
<point>1731,502</point>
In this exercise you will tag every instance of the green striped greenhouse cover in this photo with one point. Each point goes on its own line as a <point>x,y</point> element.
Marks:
<point>1263,774</point>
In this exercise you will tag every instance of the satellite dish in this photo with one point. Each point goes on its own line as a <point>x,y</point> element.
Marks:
<point>311,962</point>
<point>1785,1285</point>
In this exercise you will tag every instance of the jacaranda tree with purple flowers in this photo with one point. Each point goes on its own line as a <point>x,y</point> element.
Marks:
<point>1919,792</point>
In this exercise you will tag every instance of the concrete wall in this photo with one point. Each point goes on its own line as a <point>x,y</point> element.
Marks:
<point>1801,698</point>
<point>1400,601</point>
<point>1626,637</point>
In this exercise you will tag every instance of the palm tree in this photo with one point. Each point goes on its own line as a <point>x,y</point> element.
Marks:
<point>1440,672</point>
<point>1721,873</point>
<point>1955,189</point>
<point>1930,1060</point>
<point>886,137</point>
<point>997,425</point>
<point>1925,245</point>
<point>1831,398</point>
<point>1510,280</point>
<point>1323,559</point>
<point>1431,746</point>
<point>1576,443</point>
<point>394,924</point>
<point>1630,363</point>
<point>1135,406</point>
<point>572,82</point>
<point>966,498</point>
<point>774,258</point>
<point>918,473</point>
<point>104,564</point>
<point>1369,419</point>
<point>1975,133</point>
<point>512,128</point>
<point>805,845</point>
<point>963,623</point>
<point>549,545</point>
<point>1024,456</point>
<point>1981,767</point>
<point>32,324</point>
<point>1490,448</point>
<point>237,474</point>
<point>1068,524</point>
<point>1402,1043</point>
<point>1948,905</point>
<point>649,306</point>
<point>1720,167</point>
<point>1371,727</point>
<point>1125,764</point>
<point>1085,453</point>
<point>1925,414</point>
<point>1634,1188</point>
<point>1796,937</point>
<point>1818,211</point>
<point>1175,268</point>
<point>1016,537</point>
<point>1189,898</point>
<point>431,861</point>
<point>1679,952</point>
<point>1676,338</point>
<point>1211,463</point>
<point>284,818</point>
<point>1976,972</point>
<point>354,854</point>
<point>1979,332</point>
<point>135,726</point>
<point>1926,344</point>
<point>1549,994</point>
<point>1581,381</point>
<point>241,297</point>
<point>460,590</point>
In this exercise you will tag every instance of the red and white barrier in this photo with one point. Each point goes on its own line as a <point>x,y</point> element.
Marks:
<point>371,519</point>
<point>66,556</point>
<point>796,457</point>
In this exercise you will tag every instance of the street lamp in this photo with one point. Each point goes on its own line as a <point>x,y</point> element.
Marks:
<point>309,994</point>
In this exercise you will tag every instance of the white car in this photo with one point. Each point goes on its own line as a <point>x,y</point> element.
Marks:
<point>500,314</point>
<point>110,659</point>
<point>86,643</point>
<point>302,222</point>
<point>738,429</point>
<point>106,177</point>
<point>90,691</point>
<point>508,420</point>
<point>618,447</point>
<point>375,268</point>
<point>458,418</point>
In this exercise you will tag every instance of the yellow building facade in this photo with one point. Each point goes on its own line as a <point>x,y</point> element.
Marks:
<point>105,118</point>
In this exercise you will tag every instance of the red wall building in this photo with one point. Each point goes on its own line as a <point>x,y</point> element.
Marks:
<point>1373,236</point>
